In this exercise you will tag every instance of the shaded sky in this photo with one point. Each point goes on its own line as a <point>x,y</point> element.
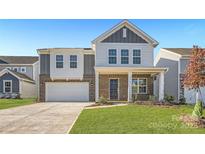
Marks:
<point>23,37</point>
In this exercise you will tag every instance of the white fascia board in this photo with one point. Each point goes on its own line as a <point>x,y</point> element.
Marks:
<point>160,53</point>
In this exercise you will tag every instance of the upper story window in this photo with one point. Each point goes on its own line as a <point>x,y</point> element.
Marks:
<point>124,56</point>
<point>59,61</point>
<point>16,69</point>
<point>136,56</point>
<point>73,61</point>
<point>9,68</point>
<point>23,69</point>
<point>112,56</point>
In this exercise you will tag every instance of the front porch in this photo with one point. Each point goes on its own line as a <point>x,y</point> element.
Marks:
<point>122,83</point>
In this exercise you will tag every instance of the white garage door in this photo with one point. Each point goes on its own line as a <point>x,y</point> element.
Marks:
<point>67,91</point>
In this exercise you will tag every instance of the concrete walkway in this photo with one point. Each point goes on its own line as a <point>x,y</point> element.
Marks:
<point>50,118</point>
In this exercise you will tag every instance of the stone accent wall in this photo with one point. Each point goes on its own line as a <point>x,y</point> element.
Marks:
<point>150,80</point>
<point>46,78</point>
<point>104,85</point>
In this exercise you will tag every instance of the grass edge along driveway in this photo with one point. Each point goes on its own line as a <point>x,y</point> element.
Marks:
<point>134,119</point>
<point>9,103</point>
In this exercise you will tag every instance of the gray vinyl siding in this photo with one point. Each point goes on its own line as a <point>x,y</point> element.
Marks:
<point>117,37</point>
<point>183,65</point>
<point>29,69</point>
<point>15,82</point>
<point>89,63</point>
<point>45,64</point>
<point>170,78</point>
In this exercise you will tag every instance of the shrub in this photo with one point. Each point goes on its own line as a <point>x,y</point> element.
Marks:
<point>169,98</point>
<point>198,109</point>
<point>152,98</point>
<point>182,100</point>
<point>134,98</point>
<point>102,100</point>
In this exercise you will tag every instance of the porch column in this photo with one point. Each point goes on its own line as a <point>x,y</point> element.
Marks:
<point>96,86</point>
<point>161,86</point>
<point>129,91</point>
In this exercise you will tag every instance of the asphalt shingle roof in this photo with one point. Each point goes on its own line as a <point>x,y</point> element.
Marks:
<point>181,51</point>
<point>18,59</point>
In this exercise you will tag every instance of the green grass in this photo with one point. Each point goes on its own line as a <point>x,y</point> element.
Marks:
<point>134,119</point>
<point>8,103</point>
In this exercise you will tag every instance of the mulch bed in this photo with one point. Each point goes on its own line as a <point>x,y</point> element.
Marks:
<point>193,121</point>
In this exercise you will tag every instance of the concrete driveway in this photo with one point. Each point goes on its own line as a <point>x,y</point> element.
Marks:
<point>50,118</point>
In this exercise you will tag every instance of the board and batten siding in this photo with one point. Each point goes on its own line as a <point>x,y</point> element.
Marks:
<point>45,64</point>
<point>103,48</point>
<point>15,82</point>
<point>89,64</point>
<point>117,37</point>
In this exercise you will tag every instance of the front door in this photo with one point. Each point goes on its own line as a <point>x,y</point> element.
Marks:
<point>113,89</point>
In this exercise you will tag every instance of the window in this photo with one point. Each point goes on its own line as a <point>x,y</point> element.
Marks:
<point>7,86</point>
<point>124,56</point>
<point>9,68</point>
<point>73,61</point>
<point>23,69</point>
<point>139,86</point>
<point>112,56</point>
<point>16,69</point>
<point>59,61</point>
<point>124,33</point>
<point>136,57</point>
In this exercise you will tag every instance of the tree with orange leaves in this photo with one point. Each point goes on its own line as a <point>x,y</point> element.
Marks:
<point>195,77</point>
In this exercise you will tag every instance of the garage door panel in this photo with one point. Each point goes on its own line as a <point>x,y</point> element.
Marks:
<point>67,91</point>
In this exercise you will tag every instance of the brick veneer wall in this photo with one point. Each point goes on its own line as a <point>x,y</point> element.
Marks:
<point>46,78</point>
<point>123,85</point>
<point>104,85</point>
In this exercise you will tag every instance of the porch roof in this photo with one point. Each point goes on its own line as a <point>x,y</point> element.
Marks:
<point>133,69</point>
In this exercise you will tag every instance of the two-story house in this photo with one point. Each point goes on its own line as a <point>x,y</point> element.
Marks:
<point>176,59</point>
<point>118,66</point>
<point>19,75</point>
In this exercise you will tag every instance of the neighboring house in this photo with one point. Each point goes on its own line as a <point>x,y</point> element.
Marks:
<point>176,59</point>
<point>19,75</point>
<point>118,66</point>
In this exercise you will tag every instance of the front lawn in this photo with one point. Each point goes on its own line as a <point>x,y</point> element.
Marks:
<point>8,103</point>
<point>134,119</point>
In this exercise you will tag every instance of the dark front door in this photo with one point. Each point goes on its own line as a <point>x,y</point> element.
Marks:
<point>113,89</point>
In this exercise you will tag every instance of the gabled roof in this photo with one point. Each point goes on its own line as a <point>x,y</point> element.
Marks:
<point>18,59</point>
<point>180,51</point>
<point>131,26</point>
<point>16,74</point>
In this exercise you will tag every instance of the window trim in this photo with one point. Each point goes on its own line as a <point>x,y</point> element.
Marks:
<point>4,81</point>
<point>138,88</point>
<point>136,56</point>
<point>9,68</point>
<point>124,56</point>
<point>112,56</point>
<point>15,68</point>
<point>73,61</point>
<point>59,61</point>
<point>24,69</point>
